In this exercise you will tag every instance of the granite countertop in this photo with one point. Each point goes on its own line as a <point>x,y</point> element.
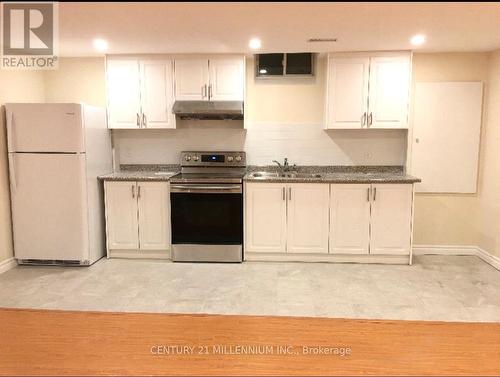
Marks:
<point>339,178</point>
<point>137,176</point>
<point>335,174</point>
<point>142,173</point>
<point>306,174</point>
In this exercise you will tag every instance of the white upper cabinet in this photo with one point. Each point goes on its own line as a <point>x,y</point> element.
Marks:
<point>191,79</point>
<point>124,97</point>
<point>350,219</point>
<point>391,219</point>
<point>157,96</point>
<point>140,93</point>
<point>226,79</point>
<point>389,91</point>
<point>308,206</point>
<point>265,215</point>
<point>347,92</point>
<point>368,90</point>
<point>214,78</point>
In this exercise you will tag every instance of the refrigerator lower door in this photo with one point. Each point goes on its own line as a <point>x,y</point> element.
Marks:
<point>49,206</point>
<point>43,127</point>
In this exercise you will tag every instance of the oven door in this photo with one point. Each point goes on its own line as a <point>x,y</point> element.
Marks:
<point>207,222</point>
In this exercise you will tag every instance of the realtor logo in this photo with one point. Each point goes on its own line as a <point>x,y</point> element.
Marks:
<point>29,35</point>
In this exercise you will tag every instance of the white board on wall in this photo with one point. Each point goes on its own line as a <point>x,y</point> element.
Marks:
<point>446,136</point>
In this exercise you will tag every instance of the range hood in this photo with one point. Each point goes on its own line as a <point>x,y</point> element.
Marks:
<point>209,110</point>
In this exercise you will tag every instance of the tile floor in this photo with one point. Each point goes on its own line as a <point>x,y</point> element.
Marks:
<point>443,288</point>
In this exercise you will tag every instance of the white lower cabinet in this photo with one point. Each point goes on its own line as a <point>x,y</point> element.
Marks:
<point>350,219</point>
<point>121,215</point>
<point>154,215</point>
<point>265,217</point>
<point>307,230</point>
<point>322,222</point>
<point>371,219</point>
<point>137,218</point>
<point>391,219</point>
<point>286,218</point>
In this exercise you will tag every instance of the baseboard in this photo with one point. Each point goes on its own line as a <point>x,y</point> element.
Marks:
<point>491,259</point>
<point>444,250</point>
<point>7,264</point>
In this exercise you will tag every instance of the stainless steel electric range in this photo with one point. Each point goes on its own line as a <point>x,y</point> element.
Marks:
<point>207,207</point>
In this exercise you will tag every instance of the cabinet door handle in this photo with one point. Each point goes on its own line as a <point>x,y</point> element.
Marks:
<point>210,91</point>
<point>374,193</point>
<point>144,120</point>
<point>138,120</point>
<point>289,193</point>
<point>284,194</point>
<point>138,191</point>
<point>370,119</point>
<point>368,194</point>
<point>363,119</point>
<point>133,191</point>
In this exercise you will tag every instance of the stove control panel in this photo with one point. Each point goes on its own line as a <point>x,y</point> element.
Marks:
<point>223,159</point>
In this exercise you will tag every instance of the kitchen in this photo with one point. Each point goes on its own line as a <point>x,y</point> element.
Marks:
<point>141,221</point>
<point>241,159</point>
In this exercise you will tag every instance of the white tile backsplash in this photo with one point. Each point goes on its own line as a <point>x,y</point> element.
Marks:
<point>303,144</point>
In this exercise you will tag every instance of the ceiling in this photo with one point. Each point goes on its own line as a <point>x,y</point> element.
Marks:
<point>282,27</point>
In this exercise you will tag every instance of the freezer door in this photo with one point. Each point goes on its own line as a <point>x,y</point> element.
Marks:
<point>49,206</point>
<point>40,127</point>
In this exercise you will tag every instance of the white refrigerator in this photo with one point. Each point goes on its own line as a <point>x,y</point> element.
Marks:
<point>56,152</point>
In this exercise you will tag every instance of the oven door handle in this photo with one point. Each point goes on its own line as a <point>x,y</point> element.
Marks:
<point>206,189</point>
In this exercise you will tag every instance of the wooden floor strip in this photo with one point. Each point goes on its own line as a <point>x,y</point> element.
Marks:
<point>37,342</point>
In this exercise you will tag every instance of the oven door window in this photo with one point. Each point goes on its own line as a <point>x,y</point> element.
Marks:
<point>215,219</point>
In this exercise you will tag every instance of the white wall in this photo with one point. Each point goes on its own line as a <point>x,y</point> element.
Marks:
<point>77,80</point>
<point>489,181</point>
<point>449,219</point>
<point>306,144</point>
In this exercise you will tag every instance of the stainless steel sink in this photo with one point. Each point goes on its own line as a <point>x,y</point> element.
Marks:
<point>165,173</point>
<point>306,175</point>
<point>265,174</point>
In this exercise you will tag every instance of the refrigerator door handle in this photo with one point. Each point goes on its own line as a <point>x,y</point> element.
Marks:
<point>13,180</point>
<point>10,135</point>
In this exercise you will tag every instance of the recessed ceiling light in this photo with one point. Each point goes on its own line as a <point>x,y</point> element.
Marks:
<point>417,40</point>
<point>254,43</point>
<point>100,44</point>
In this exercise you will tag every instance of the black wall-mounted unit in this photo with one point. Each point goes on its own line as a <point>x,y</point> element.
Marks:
<point>284,65</point>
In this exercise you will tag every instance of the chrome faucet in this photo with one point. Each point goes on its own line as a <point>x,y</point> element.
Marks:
<point>286,166</point>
